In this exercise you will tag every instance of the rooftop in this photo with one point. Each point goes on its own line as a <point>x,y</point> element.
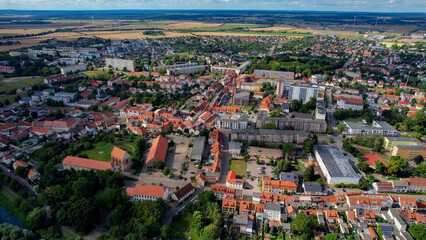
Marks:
<point>335,162</point>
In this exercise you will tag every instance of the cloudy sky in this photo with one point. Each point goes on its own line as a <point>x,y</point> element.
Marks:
<point>317,5</point>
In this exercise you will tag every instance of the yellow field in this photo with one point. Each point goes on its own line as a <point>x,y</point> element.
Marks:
<point>184,25</point>
<point>5,32</point>
<point>119,35</point>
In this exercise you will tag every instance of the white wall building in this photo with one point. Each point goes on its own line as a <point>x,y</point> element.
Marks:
<point>119,64</point>
<point>147,192</point>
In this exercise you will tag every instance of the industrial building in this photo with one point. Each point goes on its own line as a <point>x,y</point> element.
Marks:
<point>198,148</point>
<point>335,165</point>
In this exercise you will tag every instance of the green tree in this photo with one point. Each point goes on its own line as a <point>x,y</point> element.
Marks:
<point>330,236</point>
<point>36,218</point>
<point>341,127</point>
<point>171,149</point>
<point>158,164</point>
<point>303,225</point>
<point>269,126</point>
<point>417,231</point>
<point>166,232</point>
<point>288,147</point>
<point>166,171</point>
<point>363,166</point>
<point>308,145</point>
<point>309,174</point>
<point>82,214</point>
<point>210,232</point>
<point>20,171</point>
<point>380,167</point>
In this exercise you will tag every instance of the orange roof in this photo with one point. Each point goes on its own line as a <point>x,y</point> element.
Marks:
<point>267,182</point>
<point>351,214</point>
<point>372,233</point>
<point>416,181</point>
<point>266,102</point>
<point>118,153</point>
<point>229,203</point>
<point>231,178</point>
<point>158,149</point>
<point>86,163</point>
<point>20,163</point>
<point>147,190</point>
<point>31,173</point>
<point>332,214</point>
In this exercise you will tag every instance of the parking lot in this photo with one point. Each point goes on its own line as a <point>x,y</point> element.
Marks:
<point>255,172</point>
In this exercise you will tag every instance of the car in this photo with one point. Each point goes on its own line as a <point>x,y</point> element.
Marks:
<point>185,179</point>
<point>343,190</point>
<point>332,190</point>
<point>192,172</point>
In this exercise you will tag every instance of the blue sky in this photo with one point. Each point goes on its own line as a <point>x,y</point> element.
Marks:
<point>316,5</point>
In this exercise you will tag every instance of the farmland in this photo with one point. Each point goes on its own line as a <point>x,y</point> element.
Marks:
<point>8,84</point>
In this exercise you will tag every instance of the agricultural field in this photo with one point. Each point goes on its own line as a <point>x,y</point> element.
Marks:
<point>226,27</point>
<point>102,150</point>
<point>148,23</point>
<point>8,84</point>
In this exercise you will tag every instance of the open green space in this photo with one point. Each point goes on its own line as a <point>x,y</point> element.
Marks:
<point>94,73</point>
<point>8,86</point>
<point>181,225</point>
<point>227,27</point>
<point>150,23</point>
<point>102,150</point>
<point>67,235</point>
<point>239,166</point>
<point>7,194</point>
<point>273,33</point>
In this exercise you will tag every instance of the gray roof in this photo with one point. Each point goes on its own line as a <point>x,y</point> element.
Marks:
<point>267,131</point>
<point>242,95</point>
<point>307,118</point>
<point>403,139</point>
<point>286,177</point>
<point>335,162</point>
<point>240,219</point>
<point>256,195</point>
<point>234,145</point>
<point>312,187</point>
<point>377,125</point>
<point>198,147</point>
<point>272,206</point>
<point>411,147</point>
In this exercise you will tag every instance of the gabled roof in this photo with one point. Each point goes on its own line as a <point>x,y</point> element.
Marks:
<point>86,163</point>
<point>184,190</point>
<point>146,190</point>
<point>119,153</point>
<point>158,149</point>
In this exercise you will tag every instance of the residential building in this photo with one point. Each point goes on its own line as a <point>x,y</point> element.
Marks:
<point>298,124</point>
<point>280,88</point>
<point>85,164</point>
<point>229,205</point>
<point>349,103</point>
<point>302,93</point>
<point>335,165</point>
<point>72,69</point>
<point>158,151</point>
<point>320,111</point>
<point>241,98</point>
<point>416,184</point>
<point>409,151</point>
<point>232,121</point>
<point>120,64</point>
<point>233,182</point>
<point>272,211</point>
<point>120,159</point>
<point>375,203</point>
<point>277,186</point>
<point>391,142</point>
<point>269,136</point>
<point>147,192</point>
<point>183,192</point>
<point>234,148</point>
<point>222,192</point>
<point>274,74</point>
<point>313,189</point>
<point>378,127</point>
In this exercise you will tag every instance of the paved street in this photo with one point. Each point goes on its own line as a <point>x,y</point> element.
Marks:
<point>19,179</point>
<point>226,156</point>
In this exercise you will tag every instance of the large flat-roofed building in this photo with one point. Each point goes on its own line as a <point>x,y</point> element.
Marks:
<point>232,121</point>
<point>391,142</point>
<point>198,148</point>
<point>186,70</point>
<point>269,136</point>
<point>79,67</point>
<point>298,124</point>
<point>302,93</point>
<point>378,127</point>
<point>274,74</point>
<point>335,165</point>
<point>409,151</point>
<point>119,64</point>
<point>241,98</point>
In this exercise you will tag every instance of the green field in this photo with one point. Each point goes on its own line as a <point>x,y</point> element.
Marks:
<point>227,27</point>
<point>149,23</point>
<point>239,166</point>
<point>179,227</point>
<point>102,151</point>
<point>91,74</point>
<point>7,86</point>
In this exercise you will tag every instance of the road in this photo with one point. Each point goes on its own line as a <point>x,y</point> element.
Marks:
<point>20,180</point>
<point>171,212</point>
<point>226,156</point>
<point>350,59</point>
<point>271,51</point>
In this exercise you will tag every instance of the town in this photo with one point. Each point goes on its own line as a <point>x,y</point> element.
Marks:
<point>208,137</point>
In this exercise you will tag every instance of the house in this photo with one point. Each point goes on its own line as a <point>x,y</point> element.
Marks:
<point>8,159</point>
<point>222,192</point>
<point>233,182</point>
<point>313,189</point>
<point>33,175</point>
<point>277,186</point>
<point>120,160</point>
<point>234,148</point>
<point>19,163</point>
<point>183,192</point>
<point>349,103</point>
<point>200,180</point>
<point>239,223</point>
<point>158,151</point>
<point>416,184</point>
<point>85,164</point>
<point>147,192</point>
<point>229,205</point>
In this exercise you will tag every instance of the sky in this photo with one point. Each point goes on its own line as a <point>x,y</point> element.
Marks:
<point>315,5</point>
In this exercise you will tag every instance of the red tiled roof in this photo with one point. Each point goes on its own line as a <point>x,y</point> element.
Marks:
<point>86,163</point>
<point>184,190</point>
<point>147,190</point>
<point>158,149</point>
<point>118,153</point>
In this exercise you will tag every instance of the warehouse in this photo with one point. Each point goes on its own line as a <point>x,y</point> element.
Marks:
<point>198,148</point>
<point>334,165</point>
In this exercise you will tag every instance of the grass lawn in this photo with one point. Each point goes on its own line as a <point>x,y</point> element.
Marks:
<point>67,235</point>
<point>102,151</point>
<point>239,166</point>
<point>244,108</point>
<point>94,73</point>
<point>364,150</point>
<point>6,194</point>
<point>7,86</point>
<point>385,157</point>
<point>179,226</point>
